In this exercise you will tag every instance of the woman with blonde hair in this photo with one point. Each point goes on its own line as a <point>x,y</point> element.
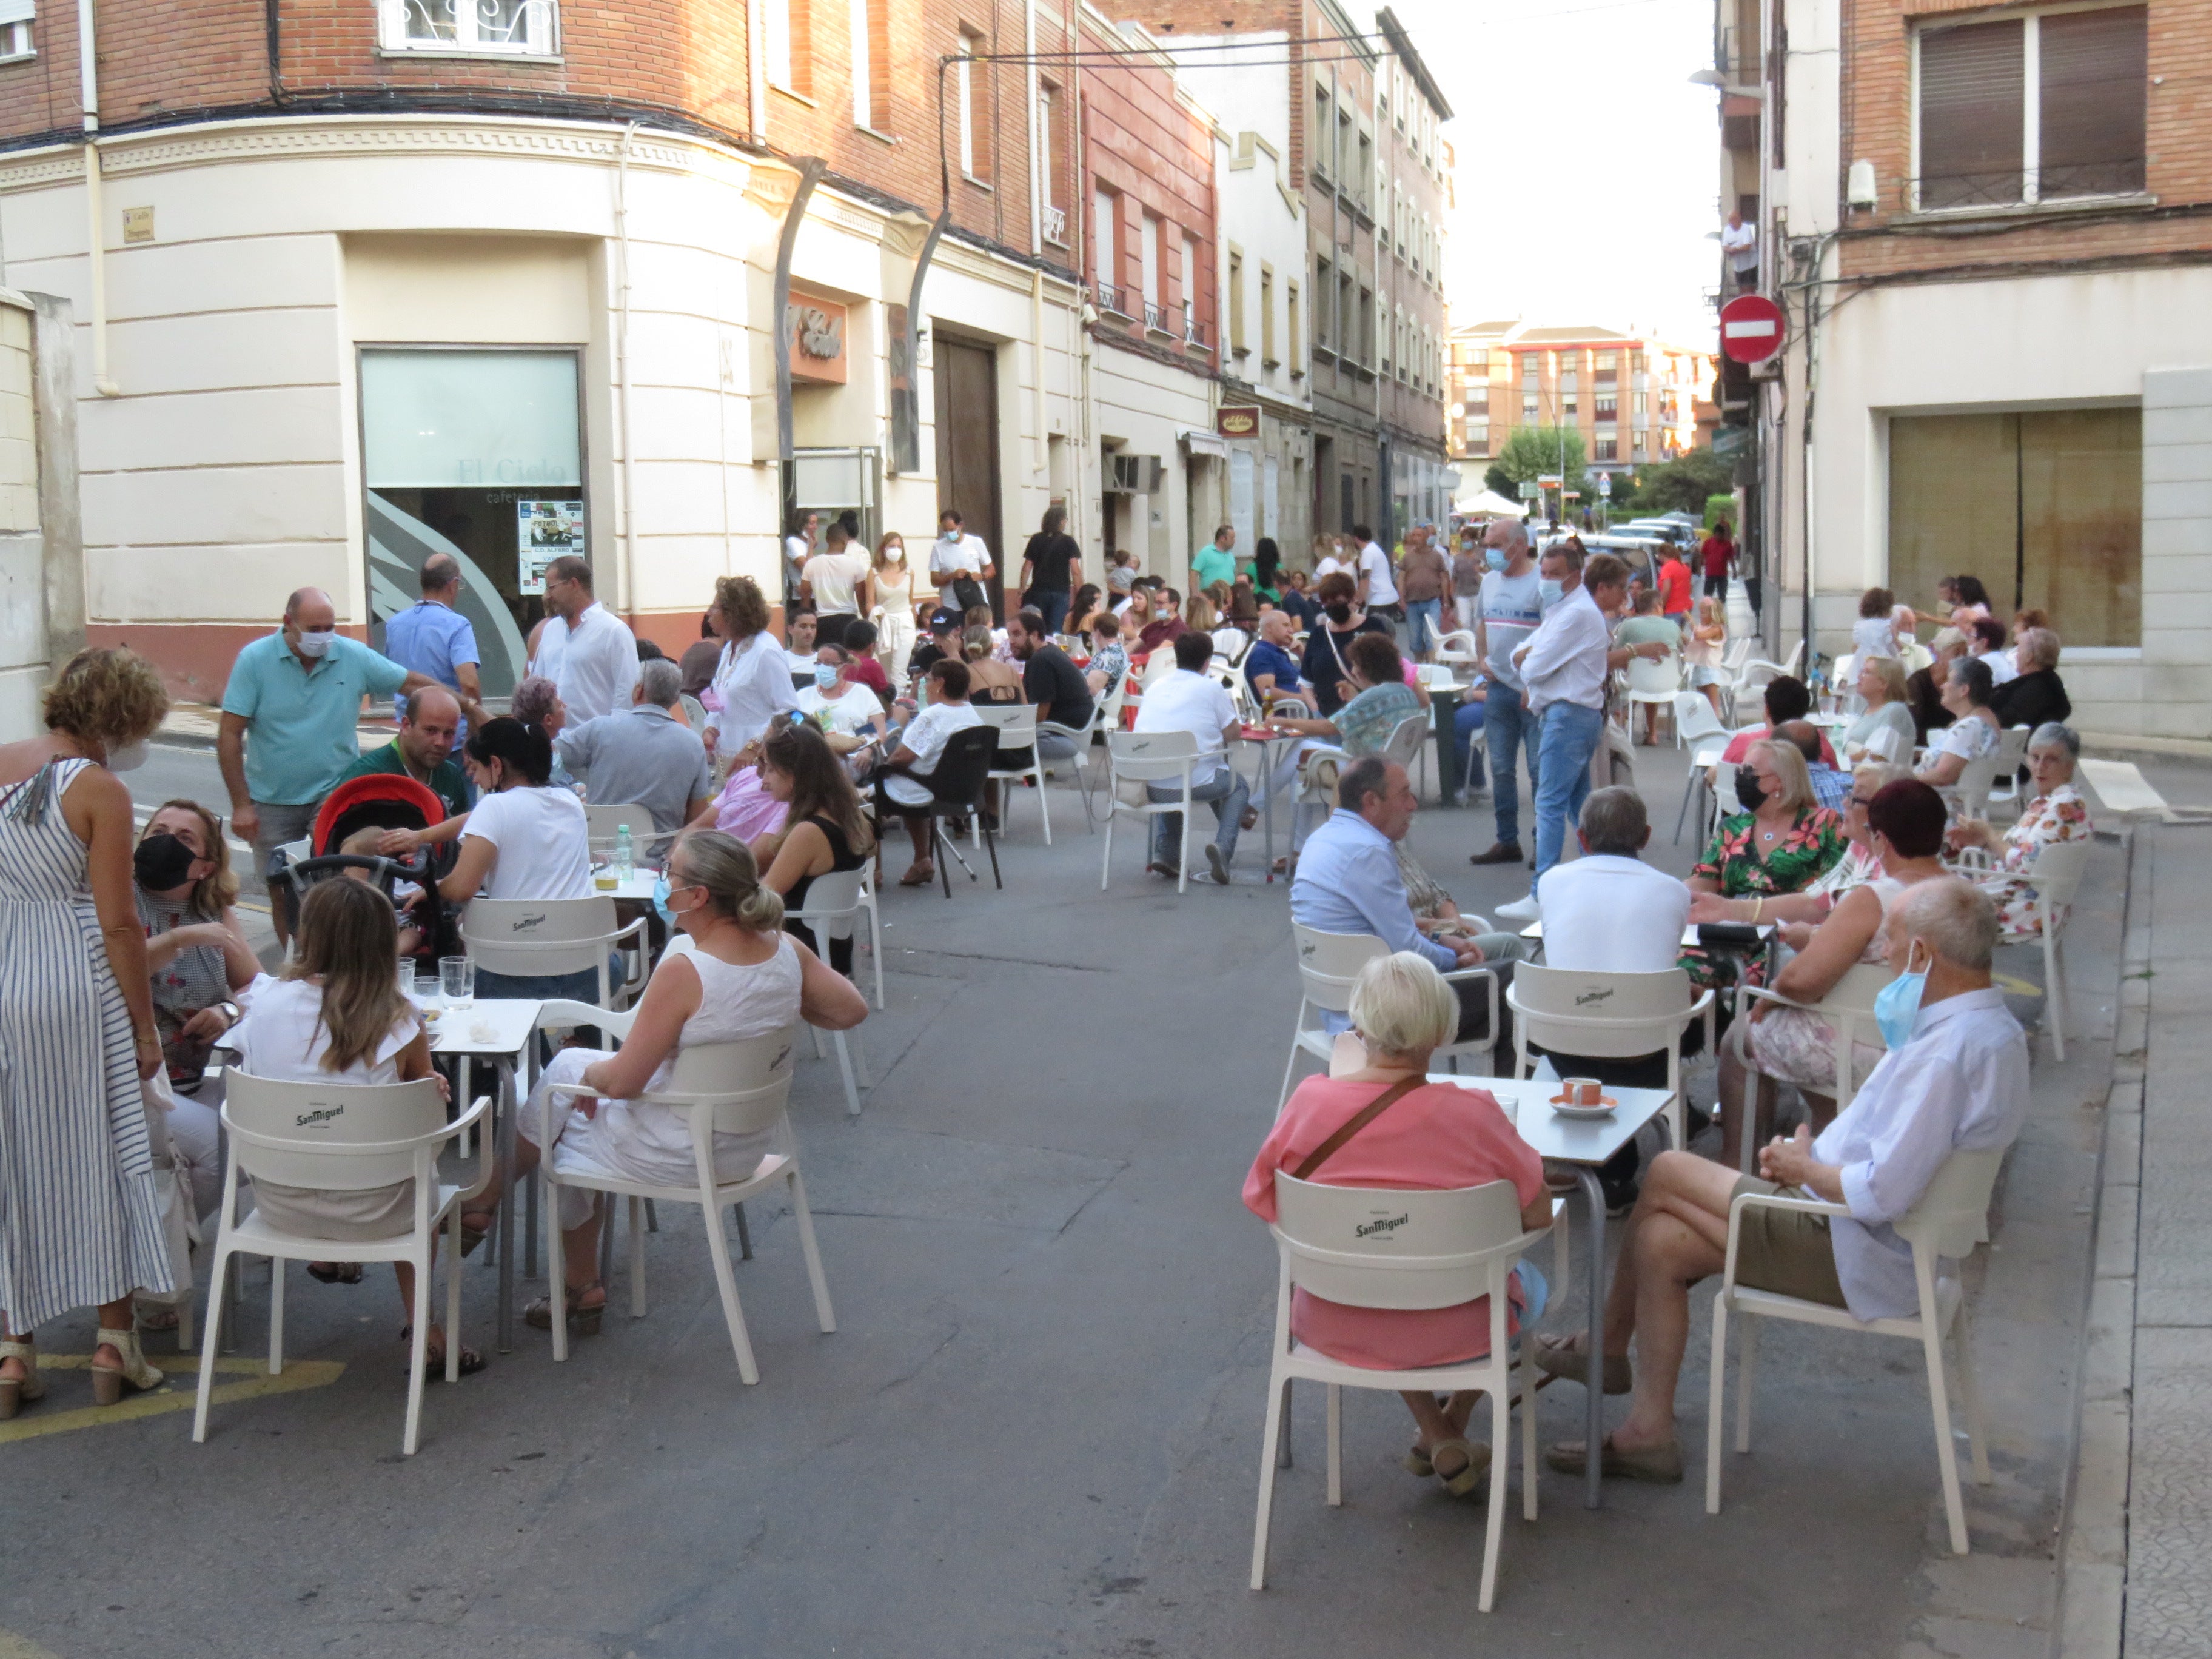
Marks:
<point>894,580</point>
<point>1702,644</point>
<point>336,1014</point>
<point>1783,841</point>
<point>81,1213</point>
<point>989,680</point>
<point>730,973</point>
<point>1885,732</point>
<point>1427,1137</point>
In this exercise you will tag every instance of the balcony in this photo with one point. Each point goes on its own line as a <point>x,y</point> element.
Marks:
<point>1055,224</point>
<point>1195,333</point>
<point>1111,299</point>
<point>1157,317</point>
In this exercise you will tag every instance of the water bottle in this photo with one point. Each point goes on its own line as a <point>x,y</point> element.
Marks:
<point>625,860</point>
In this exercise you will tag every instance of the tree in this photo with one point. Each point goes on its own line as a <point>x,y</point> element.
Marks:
<point>1686,484</point>
<point>1532,452</point>
<point>1498,481</point>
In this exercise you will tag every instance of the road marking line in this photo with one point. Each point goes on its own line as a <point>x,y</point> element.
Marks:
<point>298,1374</point>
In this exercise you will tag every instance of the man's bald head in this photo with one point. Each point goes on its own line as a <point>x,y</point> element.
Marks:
<point>305,598</point>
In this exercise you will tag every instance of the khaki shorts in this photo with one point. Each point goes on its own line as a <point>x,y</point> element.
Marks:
<point>1786,1251</point>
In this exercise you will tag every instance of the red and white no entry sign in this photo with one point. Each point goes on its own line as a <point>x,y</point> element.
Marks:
<point>1751,328</point>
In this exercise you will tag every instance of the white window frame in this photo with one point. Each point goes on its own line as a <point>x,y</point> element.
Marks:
<point>541,29</point>
<point>964,91</point>
<point>1055,221</point>
<point>863,91</point>
<point>2031,122</point>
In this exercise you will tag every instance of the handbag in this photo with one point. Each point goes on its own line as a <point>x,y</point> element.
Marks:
<point>1358,1120</point>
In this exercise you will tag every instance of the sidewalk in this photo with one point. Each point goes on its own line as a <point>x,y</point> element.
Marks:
<point>194,726</point>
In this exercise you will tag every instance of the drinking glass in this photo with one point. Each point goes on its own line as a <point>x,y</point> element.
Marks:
<point>406,976</point>
<point>459,977</point>
<point>426,989</point>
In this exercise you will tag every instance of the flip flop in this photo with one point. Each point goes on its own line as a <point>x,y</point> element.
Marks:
<point>1661,1466</point>
<point>433,1357</point>
<point>918,877</point>
<point>335,1272</point>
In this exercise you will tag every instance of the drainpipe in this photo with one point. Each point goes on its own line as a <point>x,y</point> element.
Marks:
<point>622,370</point>
<point>96,251</point>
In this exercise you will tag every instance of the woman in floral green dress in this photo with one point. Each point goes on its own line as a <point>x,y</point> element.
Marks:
<point>1781,843</point>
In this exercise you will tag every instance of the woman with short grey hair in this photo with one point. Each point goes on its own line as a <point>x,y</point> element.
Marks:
<point>1427,1136</point>
<point>2057,813</point>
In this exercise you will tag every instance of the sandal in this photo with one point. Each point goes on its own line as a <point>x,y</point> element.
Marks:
<point>919,875</point>
<point>584,1322</point>
<point>434,1356</point>
<point>335,1272</point>
<point>107,1381</point>
<point>16,1391</point>
<point>151,1318</point>
<point>473,1236</point>
<point>1464,1481</point>
<point>1660,1465</point>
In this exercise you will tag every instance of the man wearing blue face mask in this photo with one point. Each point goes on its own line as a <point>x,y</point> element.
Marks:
<point>644,756</point>
<point>1955,1079</point>
<point>298,692</point>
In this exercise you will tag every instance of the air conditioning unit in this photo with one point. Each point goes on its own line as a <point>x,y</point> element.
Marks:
<point>1134,475</point>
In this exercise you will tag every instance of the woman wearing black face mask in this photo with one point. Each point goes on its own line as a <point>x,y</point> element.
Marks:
<point>1326,667</point>
<point>1781,843</point>
<point>195,949</point>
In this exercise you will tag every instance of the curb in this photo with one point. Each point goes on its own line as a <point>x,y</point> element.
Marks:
<point>2092,1560</point>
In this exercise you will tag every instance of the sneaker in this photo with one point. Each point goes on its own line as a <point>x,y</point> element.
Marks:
<point>1521,909</point>
<point>1504,852</point>
<point>1216,863</point>
<point>1162,867</point>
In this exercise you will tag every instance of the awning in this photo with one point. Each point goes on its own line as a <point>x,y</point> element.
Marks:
<point>1201,442</point>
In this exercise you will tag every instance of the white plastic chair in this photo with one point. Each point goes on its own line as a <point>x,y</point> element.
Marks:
<point>603,822</point>
<point>1442,1248</point>
<point>1456,648</point>
<point>536,937</point>
<point>722,1088</point>
<point>1697,727</point>
<point>2005,789</point>
<point>1409,745</point>
<point>2056,875</point>
<point>833,904</point>
<point>1969,793</point>
<point>1756,672</point>
<point>343,1137</point>
<point>1329,968</point>
<point>1016,724</point>
<point>1724,800</point>
<point>1951,1218</point>
<point>1656,682</point>
<point>1637,1014</point>
<point>1849,1007</point>
<point>1140,758</point>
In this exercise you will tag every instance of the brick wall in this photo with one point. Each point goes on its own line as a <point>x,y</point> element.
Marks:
<point>1878,127</point>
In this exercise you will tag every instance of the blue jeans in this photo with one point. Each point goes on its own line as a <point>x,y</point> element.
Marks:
<point>1052,604</point>
<point>1226,790</point>
<point>1507,725</point>
<point>1423,622</point>
<point>1572,735</point>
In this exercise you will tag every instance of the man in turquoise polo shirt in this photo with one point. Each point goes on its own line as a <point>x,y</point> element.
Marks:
<point>299,691</point>
<point>1215,562</point>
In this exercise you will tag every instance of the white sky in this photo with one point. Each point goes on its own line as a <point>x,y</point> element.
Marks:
<point>1589,166</point>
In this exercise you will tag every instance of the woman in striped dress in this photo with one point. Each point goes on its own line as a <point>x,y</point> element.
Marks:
<point>80,1212</point>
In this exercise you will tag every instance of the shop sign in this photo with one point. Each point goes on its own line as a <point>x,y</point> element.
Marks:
<point>544,531</point>
<point>1238,420</point>
<point>816,332</point>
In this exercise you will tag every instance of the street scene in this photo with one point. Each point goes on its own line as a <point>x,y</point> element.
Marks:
<point>1269,893</point>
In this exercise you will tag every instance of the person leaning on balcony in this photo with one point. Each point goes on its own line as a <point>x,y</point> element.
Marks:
<point>1740,242</point>
<point>291,712</point>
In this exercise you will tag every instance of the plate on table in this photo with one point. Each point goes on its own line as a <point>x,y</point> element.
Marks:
<point>1606,1106</point>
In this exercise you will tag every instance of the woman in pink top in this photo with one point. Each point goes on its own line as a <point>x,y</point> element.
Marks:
<point>1438,1137</point>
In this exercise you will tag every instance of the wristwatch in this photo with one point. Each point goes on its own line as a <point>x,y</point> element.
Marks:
<point>231,1014</point>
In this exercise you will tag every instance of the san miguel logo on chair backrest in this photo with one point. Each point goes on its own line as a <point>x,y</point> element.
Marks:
<point>527,924</point>
<point>1589,997</point>
<point>321,1115</point>
<point>1388,1224</point>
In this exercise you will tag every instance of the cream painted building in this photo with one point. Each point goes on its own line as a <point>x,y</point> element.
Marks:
<point>334,345</point>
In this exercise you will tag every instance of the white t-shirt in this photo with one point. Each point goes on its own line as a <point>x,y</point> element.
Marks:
<point>1607,914</point>
<point>1740,243</point>
<point>1330,566</point>
<point>1874,637</point>
<point>835,577</point>
<point>850,714</point>
<point>967,553</point>
<point>544,844</point>
<point>1185,700</point>
<point>284,1039</point>
<point>925,735</point>
<point>1374,565</point>
<point>797,549</point>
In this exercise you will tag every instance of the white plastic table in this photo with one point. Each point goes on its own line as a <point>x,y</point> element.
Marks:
<point>506,1026</point>
<point>1585,1143</point>
<point>639,887</point>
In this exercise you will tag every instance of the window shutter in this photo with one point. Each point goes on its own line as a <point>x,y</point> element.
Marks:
<point>1972,83</point>
<point>17,11</point>
<point>2094,65</point>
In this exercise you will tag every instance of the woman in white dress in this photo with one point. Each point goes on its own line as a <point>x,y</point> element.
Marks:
<point>894,580</point>
<point>80,1218</point>
<point>729,973</point>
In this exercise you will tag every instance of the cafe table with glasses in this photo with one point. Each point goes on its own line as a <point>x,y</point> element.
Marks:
<point>1580,1137</point>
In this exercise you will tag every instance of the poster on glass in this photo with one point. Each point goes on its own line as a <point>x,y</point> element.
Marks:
<point>544,531</point>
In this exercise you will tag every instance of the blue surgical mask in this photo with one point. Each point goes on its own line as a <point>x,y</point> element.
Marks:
<point>1494,557</point>
<point>1553,591</point>
<point>1896,1007</point>
<point>660,901</point>
<point>825,676</point>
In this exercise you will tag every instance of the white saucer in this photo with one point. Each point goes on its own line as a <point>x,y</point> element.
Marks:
<point>1584,1111</point>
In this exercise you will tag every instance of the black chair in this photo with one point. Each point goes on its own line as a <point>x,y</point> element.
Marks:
<point>955,789</point>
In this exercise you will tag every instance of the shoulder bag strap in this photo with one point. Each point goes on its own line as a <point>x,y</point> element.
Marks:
<point>1359,1120</point>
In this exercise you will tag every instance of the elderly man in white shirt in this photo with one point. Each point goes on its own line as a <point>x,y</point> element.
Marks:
<point>586,650</point>
<point>1190,700</point>
<point>1955,1079</point>
<point>1564,667</point>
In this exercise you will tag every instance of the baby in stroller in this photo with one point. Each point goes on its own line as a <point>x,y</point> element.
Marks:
<point>343,843</point>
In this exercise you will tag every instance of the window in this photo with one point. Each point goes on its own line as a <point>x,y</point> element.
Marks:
<point>1532,369</point>
<point>1364,179</point>
<point>1267,357</point>
<point>1237,302</point>
<point>1567,383</point>
<point>16,17</point>
<point>1366,326</point>
<point>1604,445</point>
<point>1056,218</point>
<point>1324,286</point>
<point>2046,507</point>
<point>1606,405</point>
<point>1293,325</point>
<point>971,148</point>
<point>1641,448</point>
<point>1323,128</point>
<point>1478,437</point>
<point>1148,258</point>
<point>863,27</point>
<point>1189,272</point>
<point>1527,409</point>
<point>2031,109</point>
<point>1104,206</point>
<point>1477,400</point>
<point>517,27</point>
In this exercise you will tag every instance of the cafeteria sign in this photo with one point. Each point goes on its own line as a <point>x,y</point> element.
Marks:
<point>1238,420</point>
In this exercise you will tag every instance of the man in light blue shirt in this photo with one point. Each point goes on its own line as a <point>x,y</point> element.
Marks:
<point>299,692</point>
<point>1347,882</point>
<point>434,638</point>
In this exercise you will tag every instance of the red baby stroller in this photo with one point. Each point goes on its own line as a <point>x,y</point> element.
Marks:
<point>382,801</point>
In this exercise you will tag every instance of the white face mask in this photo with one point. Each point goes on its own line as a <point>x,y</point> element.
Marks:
<point>314,643</point>
<point>127,757</point>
